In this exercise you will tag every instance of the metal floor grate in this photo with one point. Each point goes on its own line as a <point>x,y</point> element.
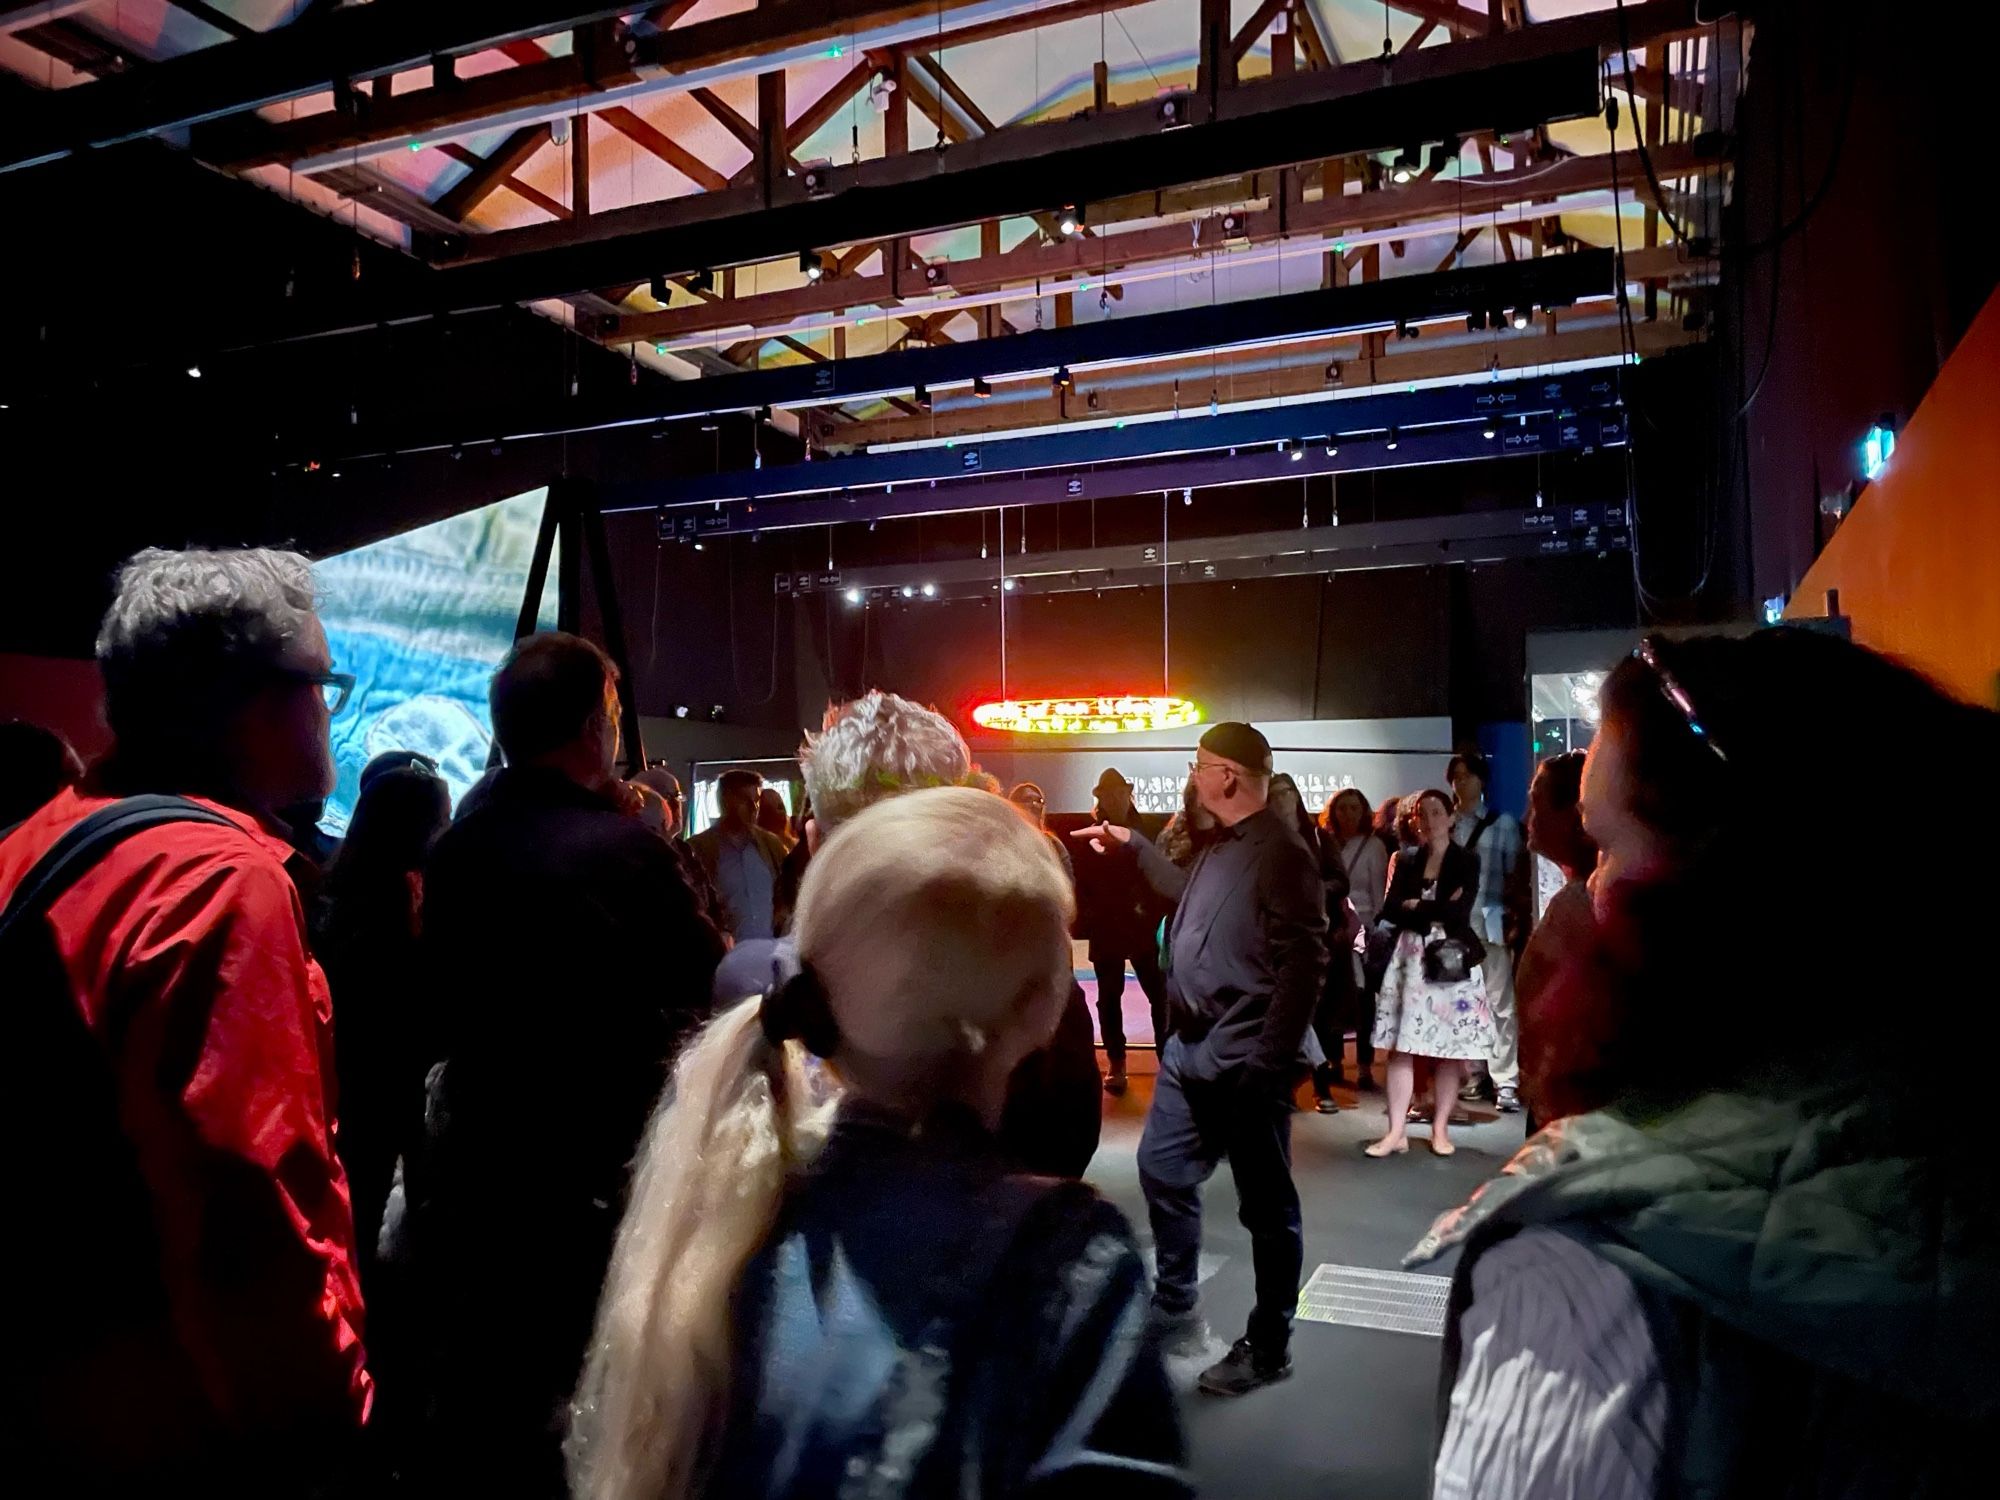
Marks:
<point>1360,1297</point>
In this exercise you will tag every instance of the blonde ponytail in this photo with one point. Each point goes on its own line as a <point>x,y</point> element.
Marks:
<point>740,1116</point>
<point>936,922</point>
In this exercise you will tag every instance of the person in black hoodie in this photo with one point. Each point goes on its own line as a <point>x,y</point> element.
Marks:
<point>1122,917</point>
<point>568,958</point>
<point>1433,1000</point>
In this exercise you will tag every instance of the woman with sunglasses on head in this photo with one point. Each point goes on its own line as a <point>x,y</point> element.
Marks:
<point>830,1279</point>
<point>1754,1254</point>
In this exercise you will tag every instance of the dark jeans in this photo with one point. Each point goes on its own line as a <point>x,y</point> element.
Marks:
<point>1342,1004</point>
<point>1109,966</point>
<point>1192,1128</point>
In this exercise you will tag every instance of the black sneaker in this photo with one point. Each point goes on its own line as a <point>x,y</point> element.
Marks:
<point>1243,1370</point>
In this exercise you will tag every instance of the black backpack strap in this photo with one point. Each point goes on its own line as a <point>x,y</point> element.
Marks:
<point>1479,830</point>
<point>89,841</point>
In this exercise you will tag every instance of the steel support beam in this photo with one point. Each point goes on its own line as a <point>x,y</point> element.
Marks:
<point>1553,281</point>
<point>288,63</point>
<point>1067,451</point>
<point>1596,529</point>
<point>1508,81</point>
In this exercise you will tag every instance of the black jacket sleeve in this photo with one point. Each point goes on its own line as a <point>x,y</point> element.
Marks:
<point>1292,907</point>
<point>1167,880</point>
<point>1090,1413</point>
<point>1458,883</point>
<point>1055,1110</point>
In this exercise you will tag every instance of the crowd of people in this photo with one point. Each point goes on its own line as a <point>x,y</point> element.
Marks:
<point>533,1147</point>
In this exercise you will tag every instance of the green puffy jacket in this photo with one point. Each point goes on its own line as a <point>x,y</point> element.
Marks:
<point>1820,1278</point>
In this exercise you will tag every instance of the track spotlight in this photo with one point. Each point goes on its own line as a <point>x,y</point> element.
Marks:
<point>1489,432</point>
<point>929,591</point>
<point>1475,320</point>
<point>1064,381</point>
<point>936,273</point>
<point>659,288</point>
<point>1406,166</point>
<point>1071,220</point>
<point>194,372</point>
<point>1520,319</point>
<point>715,713</point>
<point>1334,372</point>
<point>853,596</point>
<point>1402,328</point>
<point>812,264</point>
<point>701,281</point>
<point>923,398</point>
<point>909,592</point>
<point>981,389</point>
<point>1298,450</point>
<point>1443,155</point>
<point>1332,448</point>
<point>1187,495</point>
<point>680,710</point>
<point>1395,440</point>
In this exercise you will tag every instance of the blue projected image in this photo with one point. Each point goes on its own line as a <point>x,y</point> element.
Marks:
<point>421,620</point>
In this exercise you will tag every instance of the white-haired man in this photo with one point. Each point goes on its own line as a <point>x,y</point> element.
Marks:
<point>191,1307</point>
<point>879,746</point>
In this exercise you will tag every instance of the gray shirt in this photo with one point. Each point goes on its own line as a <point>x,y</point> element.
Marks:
<point>747,885</point>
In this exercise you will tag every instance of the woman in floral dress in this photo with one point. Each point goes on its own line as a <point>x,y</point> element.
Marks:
<point>1430,900</point>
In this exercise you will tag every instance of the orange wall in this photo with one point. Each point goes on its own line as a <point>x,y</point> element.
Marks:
<point>1917,561</point>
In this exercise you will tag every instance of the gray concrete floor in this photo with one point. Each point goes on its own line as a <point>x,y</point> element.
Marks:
<point>1357,1416</point>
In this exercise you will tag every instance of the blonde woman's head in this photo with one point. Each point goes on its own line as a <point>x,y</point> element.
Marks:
<point>938,924</point>
<point>935,929</point>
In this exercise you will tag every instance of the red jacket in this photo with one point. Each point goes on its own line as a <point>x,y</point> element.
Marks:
<point>186,943</point>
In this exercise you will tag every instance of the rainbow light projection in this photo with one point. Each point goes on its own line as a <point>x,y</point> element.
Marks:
<point>1107,715</point>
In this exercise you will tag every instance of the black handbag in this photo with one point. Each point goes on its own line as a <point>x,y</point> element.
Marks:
<point>1378,947</point>
<point>1451,960</point>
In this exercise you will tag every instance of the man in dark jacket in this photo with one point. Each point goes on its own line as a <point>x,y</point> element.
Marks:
<point>1248,951</point>
<point>568,957</point>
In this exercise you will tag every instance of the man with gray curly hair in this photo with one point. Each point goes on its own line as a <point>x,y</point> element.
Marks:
<point>873,748</point>
<point>879,746</point>
<point>196,1310</point>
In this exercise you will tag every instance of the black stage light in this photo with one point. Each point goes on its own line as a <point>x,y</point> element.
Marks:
<point>1071,220</point>
<point>701,281</point>
<point>812,264</point>
<point>981,389</point>
<point>1064,381</point>
<point>923,398</point>
<point>1395,440</point>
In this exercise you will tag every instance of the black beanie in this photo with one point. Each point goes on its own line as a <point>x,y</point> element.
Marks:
<point>1240,743</point>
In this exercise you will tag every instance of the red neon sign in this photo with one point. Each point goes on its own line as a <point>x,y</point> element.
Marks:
<point>1109,714</point>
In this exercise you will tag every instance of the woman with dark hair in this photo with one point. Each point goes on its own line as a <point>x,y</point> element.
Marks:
<point>1433,1002</point>
<point>370,910</point>
<point>1758,1254</point>
<point>1555,832</point>
<point>1389,824</point>
<point>1346,823</point>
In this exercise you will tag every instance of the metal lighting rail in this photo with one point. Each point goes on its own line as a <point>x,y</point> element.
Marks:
<point>1459,443</point>
<point>1060,449</point>
<point>1552,281</point>
<point>1594,530</point>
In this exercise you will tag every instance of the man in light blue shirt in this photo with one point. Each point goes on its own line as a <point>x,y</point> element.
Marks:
<point>741,859</point>
<point>1499,912</point>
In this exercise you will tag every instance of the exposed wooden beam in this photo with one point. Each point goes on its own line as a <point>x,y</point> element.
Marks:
<point>1320,47</point>
<point>20,17</point>
<point>369,188</point>
<point>1254,28</point>
<point>830,103</point>
<point>740,39</point>
<point>636,127</point>
<point>662,17</point>
<point>1459,246</point>
<point>1032,260</point>
<point>458,201</point>
<point>77,46</point>
<point>515,185</point>
<point>725,115</point>
<point>221,20</point>
<point>1034,20</point>
<point>1418,37</point>
<point>1455,18</point>
<point>1251,375</point>
<point>579,166</point>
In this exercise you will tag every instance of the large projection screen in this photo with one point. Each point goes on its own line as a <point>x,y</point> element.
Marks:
<point>421,620</point>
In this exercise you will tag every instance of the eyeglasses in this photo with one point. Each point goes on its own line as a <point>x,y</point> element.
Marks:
<point>1196,767</point>
<point>1670,687</point>
<point>334,687</point>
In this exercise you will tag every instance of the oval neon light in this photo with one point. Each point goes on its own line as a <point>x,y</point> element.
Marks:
<point>1103,715</point>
